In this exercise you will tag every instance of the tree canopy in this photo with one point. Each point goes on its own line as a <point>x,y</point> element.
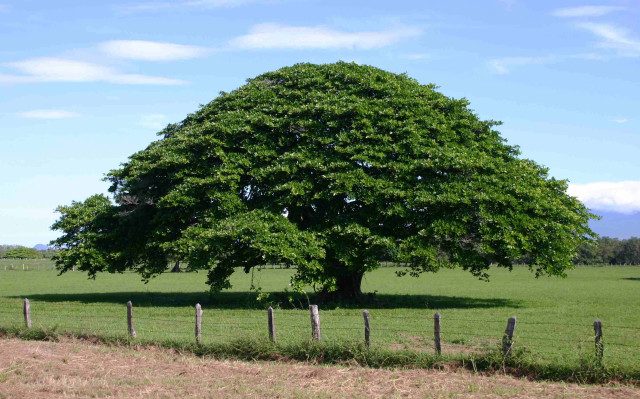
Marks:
<point>23,253</point>
<point>327,168</point>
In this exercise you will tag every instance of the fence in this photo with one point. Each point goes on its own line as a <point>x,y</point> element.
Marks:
<point>47,264</point>
<point>26,267</point>
<point>367,330</point>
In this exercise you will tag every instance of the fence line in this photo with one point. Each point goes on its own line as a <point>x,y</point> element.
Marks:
<point>441,332</point>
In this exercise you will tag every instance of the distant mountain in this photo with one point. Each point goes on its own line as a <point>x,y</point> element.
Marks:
<point>617,225</point>
<point>41,247</point>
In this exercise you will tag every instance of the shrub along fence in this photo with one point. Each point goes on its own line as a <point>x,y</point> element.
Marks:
<point>315,328</point>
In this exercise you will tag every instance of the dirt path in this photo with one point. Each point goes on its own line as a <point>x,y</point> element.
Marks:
<point>76,369</point>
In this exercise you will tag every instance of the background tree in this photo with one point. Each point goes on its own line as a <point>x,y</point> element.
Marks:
<point>23,253</point>
<point>629,253</point>
<point>328,168</point>
<point>609,251</point>
<point>4,248</point>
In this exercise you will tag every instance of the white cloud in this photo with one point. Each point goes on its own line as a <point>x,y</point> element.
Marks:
<point>585,11</point>
<point>614,37</point>
<point>503,66</point>
<point>151,51</point>
<point>621,196</point>
<point>621,120</point>
<point>61,70</point>
<point>416,56</point>
<point>275,36</point>
<point>51,69</point>
<point>153,121</point>
<point>49,114</point>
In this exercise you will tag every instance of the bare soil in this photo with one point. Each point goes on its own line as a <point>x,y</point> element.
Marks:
<point>79,369</point>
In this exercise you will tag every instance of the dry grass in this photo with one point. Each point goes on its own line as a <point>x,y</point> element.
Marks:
<point>78,369</point>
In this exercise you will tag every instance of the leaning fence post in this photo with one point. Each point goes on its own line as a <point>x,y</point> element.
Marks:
<point>132,332</point>
<point>27,313</point>
<point>271,325</point>
<point>507,339</point>
<point>315,323</point>
<point>436,333</point>
<point>367,328</point>
<point>198,323</point>
<point>597,328</point>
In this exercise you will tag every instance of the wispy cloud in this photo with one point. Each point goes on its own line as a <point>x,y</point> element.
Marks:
<point>151,51</point>
<point>49,114</point>
<point>275,36</point>
<point>223,3</point>
<point>153,121</point>
<point>614,37</point>
<point>508,4</point>
<point>585,11</point>
<point>205,4</point>
<point>52,69</point>
<point>4,7</point>
<point>588,56</point>
<point>621,120</point>
<point>415,56</point>
<point>503,66</point>
<point>621,196</point>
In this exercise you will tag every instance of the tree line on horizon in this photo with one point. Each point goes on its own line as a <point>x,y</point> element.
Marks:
<point>609,251</point>
<point>21,252</point>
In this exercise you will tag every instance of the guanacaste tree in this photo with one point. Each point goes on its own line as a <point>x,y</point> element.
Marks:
<point>23,253</point>
<point>327,168</point>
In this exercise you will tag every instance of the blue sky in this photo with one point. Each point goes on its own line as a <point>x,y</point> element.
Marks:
<point>85,84</point>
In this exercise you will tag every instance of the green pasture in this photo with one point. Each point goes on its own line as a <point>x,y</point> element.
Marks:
<point>554,316</point>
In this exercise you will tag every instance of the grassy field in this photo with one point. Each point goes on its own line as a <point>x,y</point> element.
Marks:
<point>555,316</point>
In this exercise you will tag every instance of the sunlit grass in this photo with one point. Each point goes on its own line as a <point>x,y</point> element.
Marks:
<point>555,316</point>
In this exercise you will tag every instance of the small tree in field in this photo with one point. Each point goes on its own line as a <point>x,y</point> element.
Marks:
<point>23,253</point>
<point>327,168</point>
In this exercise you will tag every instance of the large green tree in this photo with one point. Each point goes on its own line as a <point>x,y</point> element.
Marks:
<point>327,168</point>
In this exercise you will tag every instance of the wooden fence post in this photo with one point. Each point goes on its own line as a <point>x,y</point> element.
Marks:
<point>507,339</point>
<point>436,333</point>
<point>271,324</point>
<point>198,323</point>
<point>315,323</point>
<point>597,328</point>
<point>132,331</point>
<point>367,328</point>
<point>27,313</point>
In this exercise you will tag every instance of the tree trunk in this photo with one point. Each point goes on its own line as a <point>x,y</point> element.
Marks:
<point>176,268</point>
<point>349,285</point>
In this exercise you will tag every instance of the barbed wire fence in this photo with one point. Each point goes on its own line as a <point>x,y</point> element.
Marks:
<point>440,337</point>
<point>47,264</point>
